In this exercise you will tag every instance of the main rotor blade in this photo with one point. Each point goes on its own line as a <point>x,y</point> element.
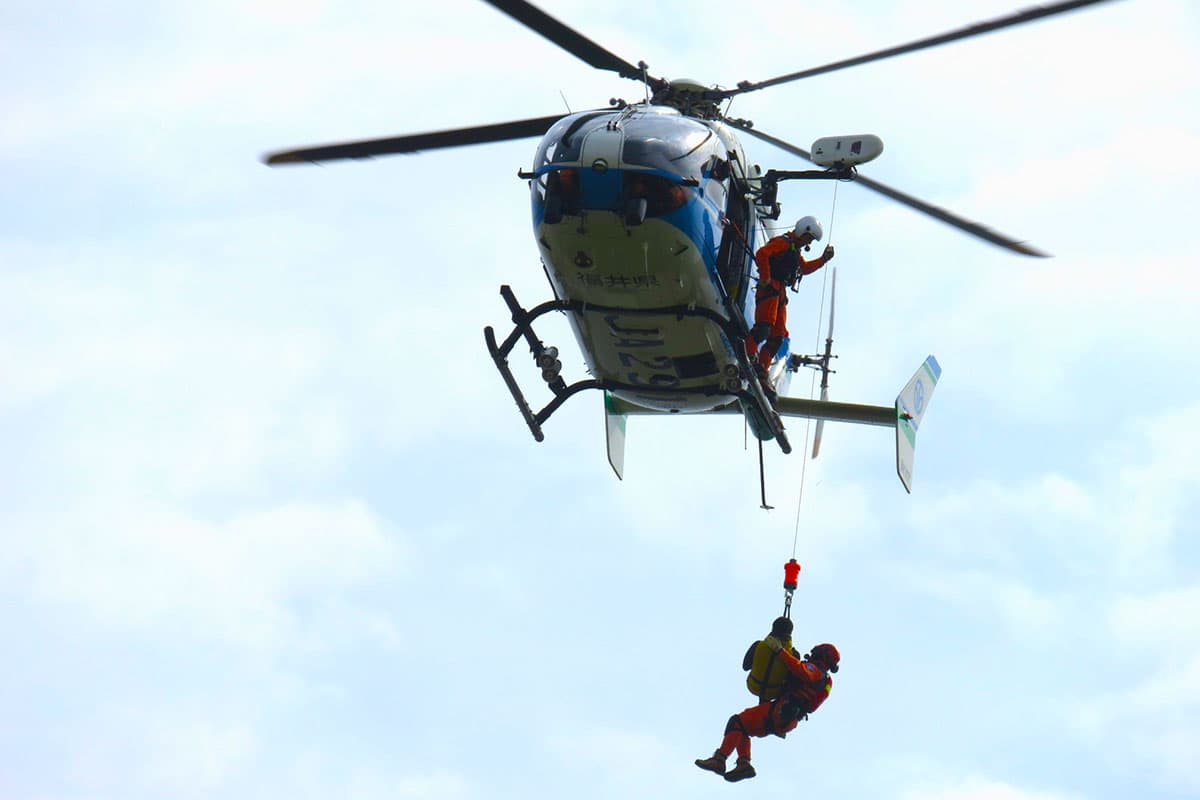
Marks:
<point>1028,15</point>
<point>567,38</point>
<point>367,148</point>
<point>965,225</point>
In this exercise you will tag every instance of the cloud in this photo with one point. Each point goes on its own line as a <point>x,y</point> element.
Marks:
<point>429,786</point>
<point>1071,559</point>
<point>316,775</point>
<point>1153,716</point>
<point>232,397</point>
<point>1025,611</point>
<point>183,752</point>
<point>241,581</point>
<point>198,757</point>
<point>979,788</point>
<point>1120,512</point>
<point>1165,623</point>
<point>620,760</point>
<point>610,746</point>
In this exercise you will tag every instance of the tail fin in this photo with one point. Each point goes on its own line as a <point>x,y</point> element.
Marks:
<point>910,407</point>
<point>614,433</point>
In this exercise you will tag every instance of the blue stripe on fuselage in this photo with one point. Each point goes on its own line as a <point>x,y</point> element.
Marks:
<point>698,219</point>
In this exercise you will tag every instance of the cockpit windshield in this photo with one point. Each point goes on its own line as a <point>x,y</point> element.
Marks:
<point>661,140</point>
<point>671,143</point>
<point>563,142</point>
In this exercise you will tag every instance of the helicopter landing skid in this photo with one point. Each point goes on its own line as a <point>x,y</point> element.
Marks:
<point>542,355</point>
<point>763,417</point>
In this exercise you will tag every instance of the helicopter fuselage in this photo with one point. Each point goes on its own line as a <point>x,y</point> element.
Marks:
<point>644,208</point>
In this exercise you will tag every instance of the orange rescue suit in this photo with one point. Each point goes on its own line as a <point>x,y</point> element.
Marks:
<point>779,266</point>
<point>807,687</point>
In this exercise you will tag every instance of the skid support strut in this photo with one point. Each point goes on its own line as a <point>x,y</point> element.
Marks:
<point>751,395</point>
<point>522,322</point>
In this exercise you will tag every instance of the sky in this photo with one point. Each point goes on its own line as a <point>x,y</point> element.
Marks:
<point>271,526</point>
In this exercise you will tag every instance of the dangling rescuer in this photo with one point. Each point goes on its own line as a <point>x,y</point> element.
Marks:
<point>790,689</point>
<point>780,266</point>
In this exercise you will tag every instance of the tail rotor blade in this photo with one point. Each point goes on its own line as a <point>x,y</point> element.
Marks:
<point>832,298</point>
<point>820,426</point>
<point>828,356</point>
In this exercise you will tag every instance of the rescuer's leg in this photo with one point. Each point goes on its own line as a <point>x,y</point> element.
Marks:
<point>775,336</point>
<point>735,739</point>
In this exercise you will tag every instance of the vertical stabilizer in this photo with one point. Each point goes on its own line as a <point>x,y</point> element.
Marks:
<point>910,407</point>
<point>614,434</point>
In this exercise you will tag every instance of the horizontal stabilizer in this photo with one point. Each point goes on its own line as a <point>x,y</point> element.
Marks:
<point>904,416</point>
<point>838,412</point>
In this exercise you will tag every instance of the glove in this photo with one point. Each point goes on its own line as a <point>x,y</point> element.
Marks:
<point>772,644</point>
<point>759,332</point>
<point>827,256</point>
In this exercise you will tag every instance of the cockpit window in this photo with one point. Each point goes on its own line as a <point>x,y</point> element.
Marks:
<point>562,194</point>
<point>675,145</point>
<point>564,140</point>
<point>661,194</point>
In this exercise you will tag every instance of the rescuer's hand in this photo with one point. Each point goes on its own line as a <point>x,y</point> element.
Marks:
<point>772,644</point>
<point>827,256</point>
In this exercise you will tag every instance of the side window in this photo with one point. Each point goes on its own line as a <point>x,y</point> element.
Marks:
<point>562,194</point>
<point>564,184</point>
<point>662,195</point>
<point>716,174</point>
<point>732,255</point>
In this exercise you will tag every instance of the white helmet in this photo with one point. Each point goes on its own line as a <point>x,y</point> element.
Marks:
<point>809,225</point>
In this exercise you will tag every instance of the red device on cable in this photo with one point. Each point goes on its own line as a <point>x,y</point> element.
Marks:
<point>791,575</point>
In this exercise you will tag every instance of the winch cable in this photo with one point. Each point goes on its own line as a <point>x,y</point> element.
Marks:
<point>791,570</point>
<point>813,383</point>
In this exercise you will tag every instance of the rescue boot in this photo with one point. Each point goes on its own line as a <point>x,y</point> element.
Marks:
<point>715,764</point>
<point>740,771</point>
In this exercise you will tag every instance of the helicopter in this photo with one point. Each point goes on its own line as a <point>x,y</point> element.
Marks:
<point>647,216</point>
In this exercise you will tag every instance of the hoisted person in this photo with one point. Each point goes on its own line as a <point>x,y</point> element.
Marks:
<point>804,689</point>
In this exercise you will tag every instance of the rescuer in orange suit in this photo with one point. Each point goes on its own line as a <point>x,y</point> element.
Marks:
<point>780,266</point>
<point>807,687</point>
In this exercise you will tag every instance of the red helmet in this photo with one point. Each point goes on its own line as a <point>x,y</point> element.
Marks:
<point>825,655</point>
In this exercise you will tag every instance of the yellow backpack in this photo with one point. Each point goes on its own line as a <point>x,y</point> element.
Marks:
<point>767,671</point>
